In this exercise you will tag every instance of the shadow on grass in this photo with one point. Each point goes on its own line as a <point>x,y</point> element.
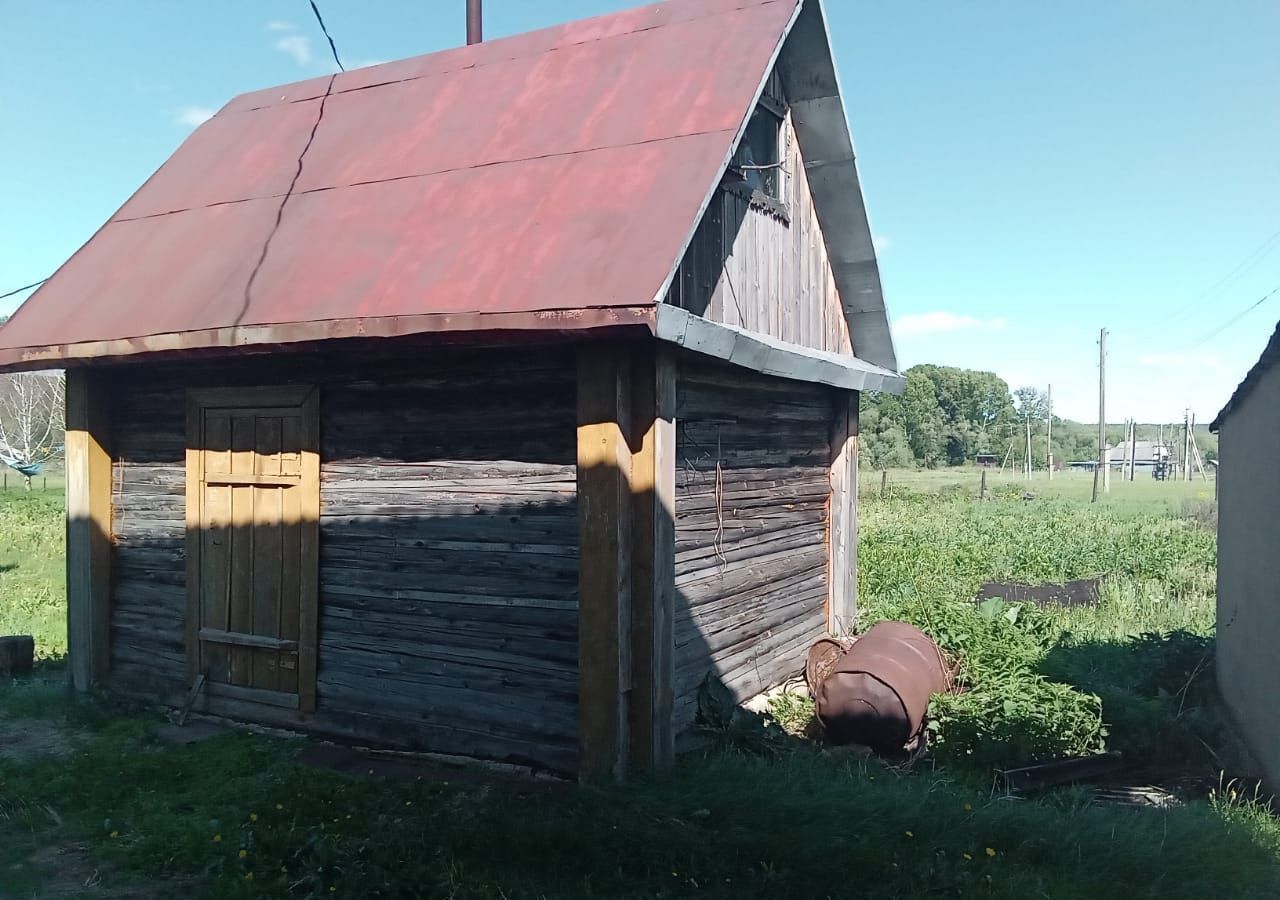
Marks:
<point>1159,696</point>
<point>239,815</point>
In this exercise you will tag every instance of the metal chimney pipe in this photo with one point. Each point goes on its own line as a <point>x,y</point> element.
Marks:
<point>474,22</point>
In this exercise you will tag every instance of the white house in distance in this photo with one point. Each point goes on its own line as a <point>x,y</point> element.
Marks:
<point>1248,431</point>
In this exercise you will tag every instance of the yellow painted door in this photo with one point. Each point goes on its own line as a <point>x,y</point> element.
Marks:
<point>253,509</point>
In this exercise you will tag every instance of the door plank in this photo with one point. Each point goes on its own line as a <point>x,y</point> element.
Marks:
<point>266,552</point>
<point>215,545</point>
<point>290,563</point>
<point>243,514</point>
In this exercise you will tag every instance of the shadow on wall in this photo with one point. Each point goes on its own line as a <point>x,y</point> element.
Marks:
<point>446,611</point>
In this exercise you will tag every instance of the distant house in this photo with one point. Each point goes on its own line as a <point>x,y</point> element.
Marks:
<point>987,461</point>
<point>1248,431</point>
<point>484,402</point>
<point>1145,454</point>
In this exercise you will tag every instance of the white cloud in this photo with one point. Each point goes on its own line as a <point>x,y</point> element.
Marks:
<point>942,322</point>
<point>881,242</point>
<point>280,26</point>
<point>192,116</point>
<point>297,46</point>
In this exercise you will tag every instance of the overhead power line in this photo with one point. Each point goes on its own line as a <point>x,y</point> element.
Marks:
<point>1255,256</point>
<point>25,287</point>
<point>315,9</point>
<point>1236,318</point>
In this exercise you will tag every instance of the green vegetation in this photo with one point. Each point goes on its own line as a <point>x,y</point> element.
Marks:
<point>947,416</point>
<point>32,573</point>
<point>240,816</point>
<point>924,557</point>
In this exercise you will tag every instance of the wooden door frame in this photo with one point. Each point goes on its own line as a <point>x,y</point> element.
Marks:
<point>306,399</point>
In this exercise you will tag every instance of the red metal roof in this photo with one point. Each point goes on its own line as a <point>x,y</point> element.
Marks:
<point>533,176</point>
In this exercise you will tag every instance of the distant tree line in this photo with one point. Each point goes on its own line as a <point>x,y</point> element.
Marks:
<point>948,416</point>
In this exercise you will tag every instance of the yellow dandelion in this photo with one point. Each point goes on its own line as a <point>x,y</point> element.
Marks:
<point>910,834</point>
<point>991,851</point>
<point>968,856</point>
<point>244,854</point>
<point>968,807</point>
<point>217,839</point>
<point>253,817</point>
<point>406,803</point>
<point>248,876</point>
<point>115,834</point>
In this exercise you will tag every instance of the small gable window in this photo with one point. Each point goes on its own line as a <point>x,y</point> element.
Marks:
<point>759,156</point>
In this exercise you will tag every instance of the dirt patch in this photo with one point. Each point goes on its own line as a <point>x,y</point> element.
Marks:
<point>23,739</point>
<point>70,870</point>
<point>1079,592</point>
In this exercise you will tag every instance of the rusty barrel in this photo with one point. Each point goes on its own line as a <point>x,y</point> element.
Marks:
<point>878,692</point>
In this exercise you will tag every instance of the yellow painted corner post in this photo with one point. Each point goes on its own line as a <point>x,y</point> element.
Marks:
<point>88,462</point>
<point>842,517</point>
<point>653,557</point>
<point>604,556</point>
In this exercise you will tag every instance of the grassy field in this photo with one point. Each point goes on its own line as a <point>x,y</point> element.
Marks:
<point>32,570</point>
<point>92,805</point>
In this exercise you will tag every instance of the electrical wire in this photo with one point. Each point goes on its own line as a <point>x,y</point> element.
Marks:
<point>1236,318</point>
<point>315,9</point>
<point>25,287</point>
<point>1255,256</point>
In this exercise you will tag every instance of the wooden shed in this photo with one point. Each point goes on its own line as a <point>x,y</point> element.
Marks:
<point>483,402</point>
<point>1248,628</point>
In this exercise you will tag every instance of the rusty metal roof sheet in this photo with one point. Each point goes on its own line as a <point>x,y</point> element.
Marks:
<point>550,179</point>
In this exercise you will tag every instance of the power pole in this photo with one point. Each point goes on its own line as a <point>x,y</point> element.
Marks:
<point>1048,436</point>
<point>1028,466</point>
<point>1186,445</point>
<point>1133,448</point>
<point>1102,411</point>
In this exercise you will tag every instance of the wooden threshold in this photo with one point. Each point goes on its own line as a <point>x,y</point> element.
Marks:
<point>252,695</point>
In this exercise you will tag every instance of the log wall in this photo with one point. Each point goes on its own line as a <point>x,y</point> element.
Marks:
<point>752,487</point>
<point>764,266</point>
<point>448,547</point>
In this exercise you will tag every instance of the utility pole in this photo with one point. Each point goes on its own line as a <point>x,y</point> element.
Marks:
<point>1048,436</point>
<point>1133,448</point>
<point>1028,467</point>
<point>1102,412</point>
<point>1186,445</point>
<point>475,22</point>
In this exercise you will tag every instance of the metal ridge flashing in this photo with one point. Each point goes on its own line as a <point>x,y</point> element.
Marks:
<point>770,355</point>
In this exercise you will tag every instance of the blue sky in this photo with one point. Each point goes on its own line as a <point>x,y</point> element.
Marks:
<point>1034,171</point>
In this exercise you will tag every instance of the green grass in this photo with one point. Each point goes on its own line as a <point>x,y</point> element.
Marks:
<point>1144,495</point>
<point>32,569</point>
<point>1133,673</point>
<point>724,824</point>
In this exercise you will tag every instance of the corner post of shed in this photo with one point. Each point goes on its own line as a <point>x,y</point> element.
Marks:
<point>626,579</point>
<point>88,462</point>
<point>842,523</point>
<point>653,574</point>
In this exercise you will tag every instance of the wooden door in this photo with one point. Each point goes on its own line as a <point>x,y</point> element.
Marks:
<point>253,505</point>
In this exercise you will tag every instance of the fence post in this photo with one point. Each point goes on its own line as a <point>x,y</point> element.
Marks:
<point>982,489</point>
